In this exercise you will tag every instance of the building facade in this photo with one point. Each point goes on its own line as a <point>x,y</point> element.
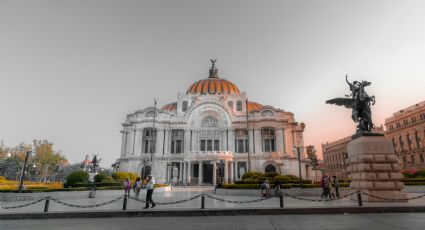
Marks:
<point>211,134</point>
<point>406,128</point>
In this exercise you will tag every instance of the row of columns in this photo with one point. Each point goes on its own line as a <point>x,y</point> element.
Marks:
<point>185,172</point>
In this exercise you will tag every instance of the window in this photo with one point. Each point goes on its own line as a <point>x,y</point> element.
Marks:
<point>405,122</point>
<point>413,119</point>
<point>409,141</point>
<point>412,157</point>
<point>177,137</point>
<point>149,140</point>
<point>203,145</point>
<point>391,127</point>
<point>394,144</point>
<point>216,145</point>
<point>241,141</point>
<point>184,106</point>
<point>398,124</point>
<point>239,105</point>
<point>209,145</point>
<point>401,143</point>
<point>268,139</point>
<point>418,140</point>
<point>230,104</point>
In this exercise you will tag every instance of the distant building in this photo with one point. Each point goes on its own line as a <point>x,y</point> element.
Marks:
<point>406,128</point>
<point>335,155</point>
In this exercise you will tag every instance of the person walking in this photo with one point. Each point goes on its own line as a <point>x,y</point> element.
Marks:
<point>149,186</point>
<point>127,187</point>
<point>336,186</point>
<point>265,189</point>
<point>324,183</point>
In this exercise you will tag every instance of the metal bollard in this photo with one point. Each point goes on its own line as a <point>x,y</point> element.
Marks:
<point>46,204</point>
<point>124,205</point>
<point>359,198</point>
<point>281,200</point>
<point>202,202</point>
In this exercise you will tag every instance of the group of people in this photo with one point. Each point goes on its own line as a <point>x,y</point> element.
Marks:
<point>266,189</point>
<point>137,186</point>
<point>330,187</point>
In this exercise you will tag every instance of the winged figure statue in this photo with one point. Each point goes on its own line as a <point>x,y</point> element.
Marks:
<point>359,101</point>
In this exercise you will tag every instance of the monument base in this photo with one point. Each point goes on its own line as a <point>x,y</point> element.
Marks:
<point>374,169</point>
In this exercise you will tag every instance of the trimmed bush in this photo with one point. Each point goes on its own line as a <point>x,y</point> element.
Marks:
<point>252,175</point>
<point>121,176</point>
<point>271,174</point>
<point>99,184</point>
<point>100,177</point>
<point>2,179</point>
<point>77,177</point>
<point>133,177</point>
<point>282,178</point>
<point>420,173</point>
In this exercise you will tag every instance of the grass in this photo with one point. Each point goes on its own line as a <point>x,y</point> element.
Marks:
<point>10,185</point>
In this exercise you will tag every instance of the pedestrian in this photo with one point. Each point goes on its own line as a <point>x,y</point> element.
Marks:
<point>265,188</point>
<point>331,189</point>
<point>127,187</point>
<point>137,187</point>
<point>324,184</point>
<point>149,186</point>
<point>336,186</point>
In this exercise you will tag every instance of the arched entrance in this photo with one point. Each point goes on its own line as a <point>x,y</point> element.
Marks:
<point>270,168</point>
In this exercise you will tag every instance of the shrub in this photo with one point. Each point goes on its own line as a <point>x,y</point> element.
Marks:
<point>292,177</point>
<point>2,179</point>
<point>282,178</point>
<point>271,174</point>
<point>409,173</point>
<point>252,175</point>
<point>121,176</point>
<point>100,177</point>
<point>133,176</point>
<point>420,173</point>
<point>77,177</point>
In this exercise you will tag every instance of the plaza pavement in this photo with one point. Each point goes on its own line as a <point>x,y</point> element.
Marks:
<point>378,221</point>
<point>180,193</point>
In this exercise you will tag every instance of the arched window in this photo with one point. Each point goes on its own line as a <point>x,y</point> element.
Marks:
<point>268,139</point>
<point>267,113</point>
<point>270,168</point>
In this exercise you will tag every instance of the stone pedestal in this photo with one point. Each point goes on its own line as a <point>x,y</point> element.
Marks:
<point>374,169</point>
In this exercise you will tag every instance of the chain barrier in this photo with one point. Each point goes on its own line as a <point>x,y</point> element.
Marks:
<point>389,199</point>
<point>172,202</point>
<point>318,200</point>
<point>238,202</point>
<point>85,206</point>
<point>25,205</point>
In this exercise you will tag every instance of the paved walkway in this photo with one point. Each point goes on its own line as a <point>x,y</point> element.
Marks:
<point>404,221</point>
<point>185,193</point>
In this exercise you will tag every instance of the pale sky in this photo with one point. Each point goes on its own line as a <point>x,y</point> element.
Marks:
<point>71,70</point>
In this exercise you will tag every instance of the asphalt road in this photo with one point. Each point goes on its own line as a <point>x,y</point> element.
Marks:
<point>347,221</point>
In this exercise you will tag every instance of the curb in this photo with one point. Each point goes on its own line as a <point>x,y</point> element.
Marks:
<point>213,212</point>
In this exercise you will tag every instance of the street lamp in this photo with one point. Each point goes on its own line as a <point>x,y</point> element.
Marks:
<point>21,180</point>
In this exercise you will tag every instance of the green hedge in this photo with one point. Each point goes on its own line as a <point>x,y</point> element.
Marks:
<point>77,177</point>
<point>406,180</point>
<point>59,189</point>
<point>120,176</point>
<point>100,177</point>
<point>272,181</point>
<point>414,183</point>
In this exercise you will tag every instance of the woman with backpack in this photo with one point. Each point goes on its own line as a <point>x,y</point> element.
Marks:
<point>127,187</point>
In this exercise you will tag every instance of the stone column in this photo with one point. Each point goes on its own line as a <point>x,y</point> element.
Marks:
<point>184,178</point>
<point>181,173</point>
<point>214,173</point>
<point>186,142</point>
<point>226,172</point>
<point>123,143</point>
<point>279,141</point>
<point>160,141</point>
<point>169,173</point>
<point>200,176</point>
<point>232,141</point>
<point>189,175</point>
<point>258,144</point>
<point>193,140</point>
<point>231,172</point>
<point>166,141</point>
<point>374,169</point>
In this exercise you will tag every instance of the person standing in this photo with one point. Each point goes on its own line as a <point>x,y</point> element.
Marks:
<point>336,186</point>
<point>137,187</point>
<point>127,187</point>
<point>149,186</point>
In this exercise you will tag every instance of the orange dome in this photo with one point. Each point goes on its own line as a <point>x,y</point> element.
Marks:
<point>213,84</point>
<point>170,107</point>
<point>254,106</point>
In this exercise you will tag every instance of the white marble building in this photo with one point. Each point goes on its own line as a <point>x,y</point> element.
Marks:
<point>202,138</point>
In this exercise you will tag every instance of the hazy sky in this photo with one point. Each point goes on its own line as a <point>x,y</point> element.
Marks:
<point>71,70</point>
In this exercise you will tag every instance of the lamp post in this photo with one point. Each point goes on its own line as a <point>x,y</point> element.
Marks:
<point>21,180</point>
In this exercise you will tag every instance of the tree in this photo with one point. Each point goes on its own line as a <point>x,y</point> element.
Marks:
<point>11,167</point>
<point>95,163</point>
<point>63,171</point>
<point>46,159</point>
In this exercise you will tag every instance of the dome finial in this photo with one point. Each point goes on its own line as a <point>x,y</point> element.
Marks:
<point>213,70</point>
